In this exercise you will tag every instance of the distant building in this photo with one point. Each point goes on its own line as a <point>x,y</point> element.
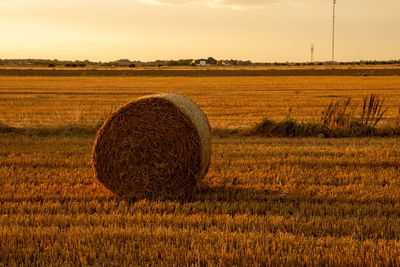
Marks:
<point>200,62</point>
<point>123,62</point>
<point>234,62</point>
<point>244,63</point>
<point>229,62</point>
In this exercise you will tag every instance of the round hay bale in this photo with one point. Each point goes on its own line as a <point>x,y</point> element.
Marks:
<point>157,147</point>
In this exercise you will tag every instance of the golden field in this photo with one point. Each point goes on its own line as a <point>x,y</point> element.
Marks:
<point>228,101</point>
<point>265,201</point>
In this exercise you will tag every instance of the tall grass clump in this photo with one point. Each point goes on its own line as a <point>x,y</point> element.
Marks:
<point>338,119</point>
<point>338,114</point>
<point>372,111</point>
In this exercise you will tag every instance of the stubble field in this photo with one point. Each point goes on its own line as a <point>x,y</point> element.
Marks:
<point>265,201</point>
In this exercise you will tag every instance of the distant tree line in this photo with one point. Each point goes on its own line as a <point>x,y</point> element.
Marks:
<point>179,62</point>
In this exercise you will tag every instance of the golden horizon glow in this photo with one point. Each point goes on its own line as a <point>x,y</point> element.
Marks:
<point>257,30</point>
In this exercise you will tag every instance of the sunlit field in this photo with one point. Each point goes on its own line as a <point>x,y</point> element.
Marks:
<point>227,101</point>
<point>264,201</point>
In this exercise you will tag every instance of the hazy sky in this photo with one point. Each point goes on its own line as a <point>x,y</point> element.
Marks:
<point>258,30</point>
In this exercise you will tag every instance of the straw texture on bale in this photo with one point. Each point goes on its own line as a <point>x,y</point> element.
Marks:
<point>157,147</point>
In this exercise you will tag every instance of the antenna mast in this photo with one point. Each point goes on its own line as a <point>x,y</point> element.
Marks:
<point>333,32</point>
<point>312,53</point>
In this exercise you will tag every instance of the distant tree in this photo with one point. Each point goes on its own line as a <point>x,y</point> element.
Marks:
<point>132,65</point>
<point>180,62</point>
<point>51,65</point>
<point>184,62</point>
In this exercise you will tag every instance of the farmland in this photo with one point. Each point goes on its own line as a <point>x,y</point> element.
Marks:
<point>264,201</point>
<point>229,102</point>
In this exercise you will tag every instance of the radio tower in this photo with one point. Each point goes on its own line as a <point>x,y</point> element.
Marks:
<point>333,33</point>
<point>312,53</point>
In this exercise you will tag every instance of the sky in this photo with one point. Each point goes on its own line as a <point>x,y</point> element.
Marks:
<point>146,30</point>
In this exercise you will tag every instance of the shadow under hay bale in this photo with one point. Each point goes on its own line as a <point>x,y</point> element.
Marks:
<point>157,147</point>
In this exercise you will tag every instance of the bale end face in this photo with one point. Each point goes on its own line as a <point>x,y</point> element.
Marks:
<point>151,148</point>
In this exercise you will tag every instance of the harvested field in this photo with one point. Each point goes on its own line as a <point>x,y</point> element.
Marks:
<point>229,102</point>
<point>264,201</point>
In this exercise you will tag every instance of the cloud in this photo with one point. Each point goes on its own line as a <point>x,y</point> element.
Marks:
<point>235,4</point>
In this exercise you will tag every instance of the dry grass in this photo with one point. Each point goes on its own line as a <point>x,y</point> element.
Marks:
<point>264,201</point>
